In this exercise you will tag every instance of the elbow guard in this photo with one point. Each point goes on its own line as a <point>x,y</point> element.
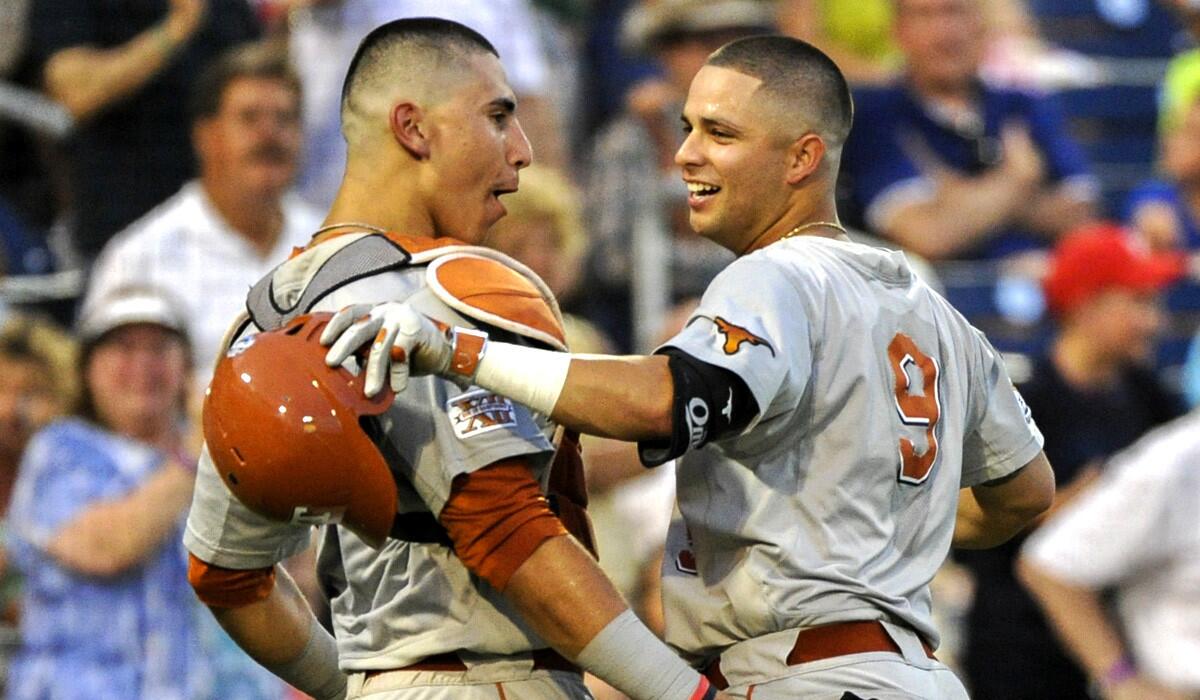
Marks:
<point>218,587</point>
<point>497,517</point>
<point>710,403</point>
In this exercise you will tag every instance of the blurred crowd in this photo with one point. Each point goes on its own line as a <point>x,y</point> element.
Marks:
<point>1039,160</point>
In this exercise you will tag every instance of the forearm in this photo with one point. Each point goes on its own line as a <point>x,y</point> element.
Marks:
<point>564,596</point>
<point>561,592</point>
<point>111,536</point>
<point>1079,618</point>
<point>281,633</point>
<point>626,398</point>
<point>1056,211</point>
<point>964,213</point>
<point>86,80</point>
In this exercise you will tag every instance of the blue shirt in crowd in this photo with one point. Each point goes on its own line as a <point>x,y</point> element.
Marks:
<point>894,130</point>
<point>139,634</point>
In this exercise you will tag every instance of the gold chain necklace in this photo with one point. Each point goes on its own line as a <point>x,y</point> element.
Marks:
<point>813,224</point>
<point>349,224</point>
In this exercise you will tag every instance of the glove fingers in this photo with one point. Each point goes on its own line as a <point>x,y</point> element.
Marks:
<point>379,358</point>
<point>352,339</point>
<point>342,320</point>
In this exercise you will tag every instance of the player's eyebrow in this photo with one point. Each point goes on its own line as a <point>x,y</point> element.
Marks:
<point>710,123</point>
<point>506,104</point>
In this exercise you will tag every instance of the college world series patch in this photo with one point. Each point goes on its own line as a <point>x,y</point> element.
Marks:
<point>478,412</point>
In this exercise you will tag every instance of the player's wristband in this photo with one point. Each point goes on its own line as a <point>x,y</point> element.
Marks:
<point>627,656</point>
<point>528,376</point>
<point>315,671</point>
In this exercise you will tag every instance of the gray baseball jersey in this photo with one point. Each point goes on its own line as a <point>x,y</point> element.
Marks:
<point>877,403</point>
<point>394,606</point>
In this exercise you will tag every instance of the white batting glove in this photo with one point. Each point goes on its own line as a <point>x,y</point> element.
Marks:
<point>402,342</point>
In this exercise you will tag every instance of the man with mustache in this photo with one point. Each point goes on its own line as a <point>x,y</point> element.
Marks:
<point>229,226</point>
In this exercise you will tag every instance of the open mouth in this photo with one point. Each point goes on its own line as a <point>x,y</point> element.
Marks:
<point>699,191</point>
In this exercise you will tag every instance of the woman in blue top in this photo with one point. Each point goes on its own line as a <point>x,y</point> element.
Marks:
<point>96,523</point>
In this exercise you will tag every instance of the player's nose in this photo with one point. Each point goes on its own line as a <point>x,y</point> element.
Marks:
<point>520,152</point>
<point>689,151</point>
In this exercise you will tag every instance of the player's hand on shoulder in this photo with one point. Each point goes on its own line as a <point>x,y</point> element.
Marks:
<point>398,340</point>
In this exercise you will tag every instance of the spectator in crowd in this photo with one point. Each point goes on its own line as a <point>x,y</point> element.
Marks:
<point>223,231</point>
<point>1181,84</point>
<point>856,35</point>
<point>1166,212</point>
<point>37,371</point>
<point>96,522</point>
<point>631,179</point>
<point>1091,395</point>
<point>1136,532</point>
<point>325,34</point>
<point>951,167</point>
<point>120,69</point>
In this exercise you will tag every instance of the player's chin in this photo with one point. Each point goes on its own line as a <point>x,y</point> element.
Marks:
<point>702,223</point>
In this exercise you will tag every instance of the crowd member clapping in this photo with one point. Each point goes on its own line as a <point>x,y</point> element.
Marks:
<point>95,522</point>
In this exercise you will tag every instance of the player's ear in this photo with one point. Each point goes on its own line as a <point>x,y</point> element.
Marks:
<point>804,157</point>
<point>408,128</point>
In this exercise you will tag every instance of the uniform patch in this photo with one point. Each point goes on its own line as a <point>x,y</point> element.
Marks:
<point>478,412</point>
<point>735,336</point>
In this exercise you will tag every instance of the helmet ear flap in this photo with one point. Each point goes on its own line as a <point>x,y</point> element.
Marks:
<point>295,440</point>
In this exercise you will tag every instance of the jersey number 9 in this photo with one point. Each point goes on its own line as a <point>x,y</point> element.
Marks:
<point>915,409</point>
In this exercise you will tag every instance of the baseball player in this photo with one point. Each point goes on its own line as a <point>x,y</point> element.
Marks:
<point>840,425</point>
<point>453,575</point>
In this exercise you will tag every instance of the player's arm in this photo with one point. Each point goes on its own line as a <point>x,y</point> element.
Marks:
<point>266,614</point>
<point>992,512</point>
<point>504,531</point>
<point>634,398</point>
<point>627,398</point>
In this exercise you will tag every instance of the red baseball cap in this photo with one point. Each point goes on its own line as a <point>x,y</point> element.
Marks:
<point>1097,257</point>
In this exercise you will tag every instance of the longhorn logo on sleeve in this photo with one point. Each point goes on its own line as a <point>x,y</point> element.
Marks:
<point>736,335</point>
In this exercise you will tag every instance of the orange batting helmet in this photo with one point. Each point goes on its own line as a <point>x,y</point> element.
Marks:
<point>284,433</point>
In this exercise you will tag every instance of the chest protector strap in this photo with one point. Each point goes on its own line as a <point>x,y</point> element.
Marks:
<point>335,266</point>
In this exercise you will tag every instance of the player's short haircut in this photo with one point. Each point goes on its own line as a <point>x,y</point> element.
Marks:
<point>799,76</point>
<point>397,51</point>
<point>262,60</point>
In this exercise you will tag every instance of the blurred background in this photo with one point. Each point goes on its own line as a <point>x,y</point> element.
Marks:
<point>1038,160</point>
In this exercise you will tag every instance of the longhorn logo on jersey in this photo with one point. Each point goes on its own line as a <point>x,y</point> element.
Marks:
<point>736,335</point>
